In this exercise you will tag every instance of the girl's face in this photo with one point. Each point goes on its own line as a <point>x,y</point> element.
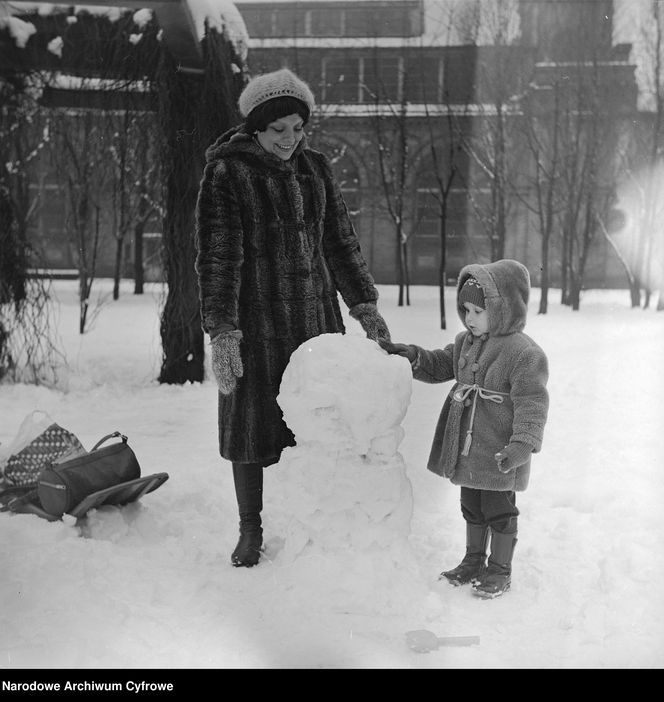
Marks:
<point>282,136</point>
<point>476,319</point>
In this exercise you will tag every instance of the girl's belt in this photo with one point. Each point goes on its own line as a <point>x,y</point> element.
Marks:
<point>462,392</point>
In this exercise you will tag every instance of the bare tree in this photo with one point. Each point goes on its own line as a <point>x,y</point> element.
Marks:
<point>28,352</point>
<point>446,155</point>
<point>542,129</point>
<point>589,135</point>
<point>390,120</point>
<point>136,188</point>
<point>81,158</point>
<point>492,144</point>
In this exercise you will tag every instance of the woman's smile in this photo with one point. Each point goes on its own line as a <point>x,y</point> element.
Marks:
<point>282,136</point>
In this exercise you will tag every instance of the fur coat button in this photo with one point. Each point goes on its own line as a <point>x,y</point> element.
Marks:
<point>475,367</point>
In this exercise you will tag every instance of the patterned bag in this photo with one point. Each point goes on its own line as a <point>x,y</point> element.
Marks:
<point>38,443</point>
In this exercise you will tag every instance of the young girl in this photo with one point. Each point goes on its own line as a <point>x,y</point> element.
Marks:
<point>493,417</point>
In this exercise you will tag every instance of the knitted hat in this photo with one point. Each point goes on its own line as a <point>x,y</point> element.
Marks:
<point>471,291</point>
<point>281,83</point>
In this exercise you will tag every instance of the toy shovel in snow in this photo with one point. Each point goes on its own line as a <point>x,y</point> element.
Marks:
<point>425,641</point>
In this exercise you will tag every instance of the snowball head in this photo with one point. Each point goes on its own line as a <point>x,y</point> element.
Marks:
<point>344,391</point>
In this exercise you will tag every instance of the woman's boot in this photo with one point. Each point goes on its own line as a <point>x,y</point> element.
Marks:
<point>497,577</point>
<point>474,561</point>
<point>248,479</point>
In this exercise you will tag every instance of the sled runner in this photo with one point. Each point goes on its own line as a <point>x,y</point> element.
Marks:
<point>120,494</point>
<point>53,475</point>
<point>26,501</point>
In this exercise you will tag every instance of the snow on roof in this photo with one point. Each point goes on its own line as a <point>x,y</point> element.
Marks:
<point>220,14</point>
<point>223,16</point>
<point>19,30</point>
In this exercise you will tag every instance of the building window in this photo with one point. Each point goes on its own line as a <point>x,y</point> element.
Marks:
<point>325,23</point>
<point>394,19</point>
<point>422,79</point>
<point>341,78</point>
<point>462,240</point>
<point>459,77</point>
<point>334,19</point>
<point>288,23</point>
<point>349,181</point>
<point>258,20</point>
<point>381,78</point>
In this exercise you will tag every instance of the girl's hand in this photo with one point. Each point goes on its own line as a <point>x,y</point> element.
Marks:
<point>513,456</point>
<point>406,350</point>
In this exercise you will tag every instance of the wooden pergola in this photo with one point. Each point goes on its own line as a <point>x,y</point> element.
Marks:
<point>176,21</point>
<point>196,91</point>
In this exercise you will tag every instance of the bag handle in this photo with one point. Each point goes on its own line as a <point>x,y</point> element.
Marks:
<point>107,437</point>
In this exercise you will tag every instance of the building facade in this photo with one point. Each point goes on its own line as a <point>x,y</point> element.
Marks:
<point>398,75</point>
<point>422,108</point>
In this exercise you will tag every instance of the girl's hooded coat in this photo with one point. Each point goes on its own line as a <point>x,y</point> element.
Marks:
<point>501,374</point>
<point>275,244</point>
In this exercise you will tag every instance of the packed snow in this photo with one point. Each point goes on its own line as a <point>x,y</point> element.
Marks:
<point>356,529</point>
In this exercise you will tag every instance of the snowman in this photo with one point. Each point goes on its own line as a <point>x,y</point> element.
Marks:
<point>343,487</point>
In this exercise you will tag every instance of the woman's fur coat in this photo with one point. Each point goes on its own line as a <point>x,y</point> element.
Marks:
<point>508,365</point>
<point>275,245</point>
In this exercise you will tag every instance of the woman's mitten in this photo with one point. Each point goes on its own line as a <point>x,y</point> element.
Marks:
<point>512,456</point>
<point>366,313</point>
<point>405,350</point>
<point>226,359</point>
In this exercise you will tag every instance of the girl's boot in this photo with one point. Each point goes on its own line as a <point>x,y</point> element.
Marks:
<point>474,561</point>
<point>497,577</point>
<point>248,479</point>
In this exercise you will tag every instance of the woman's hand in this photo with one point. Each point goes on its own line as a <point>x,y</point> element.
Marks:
<point>226,360</point>
<point>375,327</point>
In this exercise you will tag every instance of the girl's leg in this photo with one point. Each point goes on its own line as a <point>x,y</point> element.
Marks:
<point>477,534</point>
<point>501,514</point>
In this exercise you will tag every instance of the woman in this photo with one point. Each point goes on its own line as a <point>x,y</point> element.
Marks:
<point>275,245</point>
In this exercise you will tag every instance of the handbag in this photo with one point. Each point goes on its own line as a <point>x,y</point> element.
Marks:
<point>37,444</point>
<point>67,482</point>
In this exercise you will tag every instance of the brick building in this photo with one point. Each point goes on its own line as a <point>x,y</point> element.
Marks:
<point>394,77</point>
<point>417,67</point>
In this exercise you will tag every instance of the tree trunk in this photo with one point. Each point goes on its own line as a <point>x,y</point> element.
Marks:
<point>575,294</point>
<point>544,278</point>
<point>194,111</point>
<point>442,272</point>
<point>181,331</point>
<point>402,267</point>
<point>117,267</point>
<point>139,273</point>
<point>142,218</point>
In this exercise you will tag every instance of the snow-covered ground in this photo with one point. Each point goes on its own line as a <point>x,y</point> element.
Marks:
<point>150,585</point>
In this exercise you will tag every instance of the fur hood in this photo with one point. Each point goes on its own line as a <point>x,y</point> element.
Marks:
<point>506,285</point>
<point>237,142</point>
